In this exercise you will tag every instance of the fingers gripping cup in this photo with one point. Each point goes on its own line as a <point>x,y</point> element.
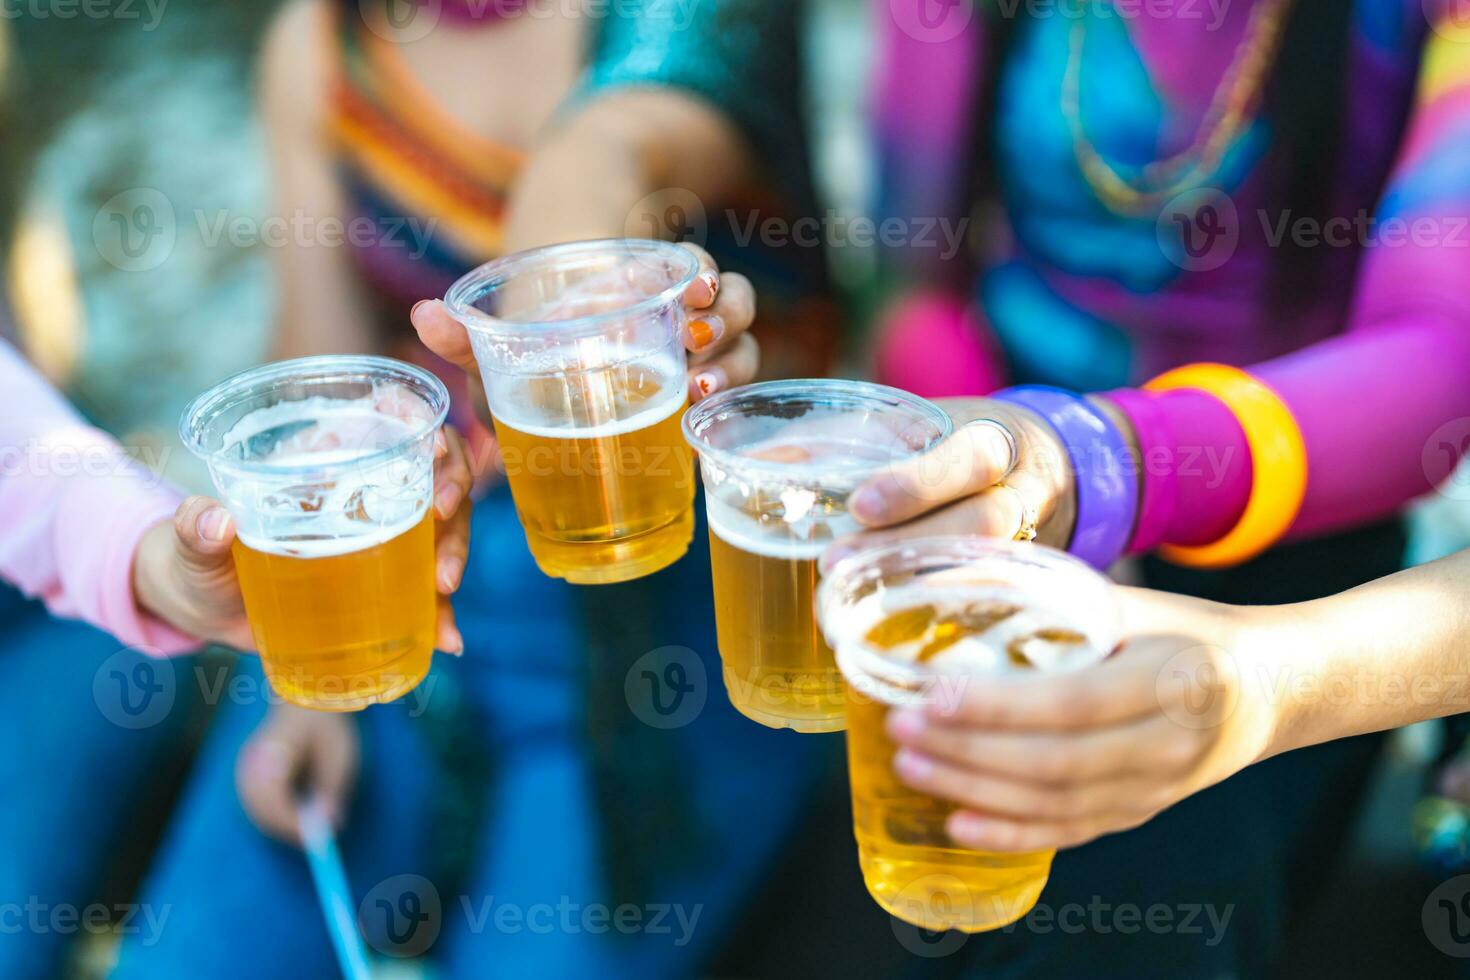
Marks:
<point>915,623</point>
<point>779,461</point>
<point>327,465</point>
<point>581,351</point>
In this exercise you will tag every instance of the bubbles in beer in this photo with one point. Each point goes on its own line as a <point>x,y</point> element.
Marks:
<point>332,492</point>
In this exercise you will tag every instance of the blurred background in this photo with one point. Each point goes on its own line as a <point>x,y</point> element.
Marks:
<point>128,145</point>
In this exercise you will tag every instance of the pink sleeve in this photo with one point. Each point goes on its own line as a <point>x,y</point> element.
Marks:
<point>73,507</point>
<point>1384,412</point>
<point>1195,466</point>
<point>1384,408</point>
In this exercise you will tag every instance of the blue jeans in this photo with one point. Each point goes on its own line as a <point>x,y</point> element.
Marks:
<point>532,901</point>
<point>89,726</point>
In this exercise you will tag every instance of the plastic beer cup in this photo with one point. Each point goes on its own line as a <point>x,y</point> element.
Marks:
<point>917,622</point>
<point>581,351</point>
<point>326,464</point>
<point>779,461</point>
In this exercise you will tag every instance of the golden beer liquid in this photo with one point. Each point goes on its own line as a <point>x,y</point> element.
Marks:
<point>601,508</point>
<point>778,669</point>
<point>343,631</point>
<point>909,863</point>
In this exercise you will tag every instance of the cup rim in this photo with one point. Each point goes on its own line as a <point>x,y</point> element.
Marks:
<point>705,411</point>
<point>324,368</point>
<point>459,300</point>
<point>962,547</point>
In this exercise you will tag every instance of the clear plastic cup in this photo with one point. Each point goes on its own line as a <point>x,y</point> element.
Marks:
<point>779,461</point>
<point>327,465</point>
<point>581,350</point>
<point>919,621</point>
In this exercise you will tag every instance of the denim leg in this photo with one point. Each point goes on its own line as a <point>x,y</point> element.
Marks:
<point>88,724</point>
<point>537,903</point>
<point>238,904</point>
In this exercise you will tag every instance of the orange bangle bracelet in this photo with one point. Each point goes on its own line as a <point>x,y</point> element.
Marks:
<point>1278,463</point>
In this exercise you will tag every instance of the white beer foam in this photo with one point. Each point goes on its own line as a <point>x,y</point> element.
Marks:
<point>669,401</point>
<point>331,546</point>
<point>739,530</point>
<point>362,504</point>
<point>510,400</point>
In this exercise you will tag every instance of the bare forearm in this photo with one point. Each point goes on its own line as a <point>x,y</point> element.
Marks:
<point>593,175</point>
<point>1389,653</point>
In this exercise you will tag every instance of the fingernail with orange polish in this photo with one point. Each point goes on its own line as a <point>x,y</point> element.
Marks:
<point>706,331</point>
<point>707,384</point>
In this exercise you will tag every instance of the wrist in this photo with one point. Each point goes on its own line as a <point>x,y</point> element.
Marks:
<point>1278,653</point>
<point>1039,445</point>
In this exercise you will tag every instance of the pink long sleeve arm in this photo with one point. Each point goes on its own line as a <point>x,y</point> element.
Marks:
<point>73,507</point>
<point>1384,408</point>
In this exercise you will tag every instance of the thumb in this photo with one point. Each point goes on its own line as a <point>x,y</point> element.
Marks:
<point>204,530</point>
<point>443,334</point>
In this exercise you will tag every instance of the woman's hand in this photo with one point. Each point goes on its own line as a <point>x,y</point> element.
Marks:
<point>1058,760</point>
<point>971,483</point>
<point>722,354</point>
<point>184,571</point>
<point>294,754</point>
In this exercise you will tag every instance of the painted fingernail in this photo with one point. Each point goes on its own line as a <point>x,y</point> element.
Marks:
<point>905,724</point>
<point>866,504</point>
<point>706,383</point>
<point>912,766</point>
<point>213,524</point>
<point>711,278</point>
<point>706,331</point>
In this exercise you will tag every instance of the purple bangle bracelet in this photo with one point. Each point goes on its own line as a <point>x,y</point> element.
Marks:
<point>1158,499</point>
<point>1107,487</point>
